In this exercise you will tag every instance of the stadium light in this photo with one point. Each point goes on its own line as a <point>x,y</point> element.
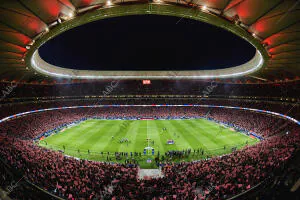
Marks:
<point>71,14</point>
<point>65,16</point>
<point>204,8</point>
<point>32,42</point>
<point>108,3</point>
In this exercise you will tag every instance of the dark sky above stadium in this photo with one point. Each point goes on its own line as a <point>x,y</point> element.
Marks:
<point>147,42</point>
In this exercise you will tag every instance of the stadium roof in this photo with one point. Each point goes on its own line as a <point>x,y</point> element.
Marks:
<point>272,26</point>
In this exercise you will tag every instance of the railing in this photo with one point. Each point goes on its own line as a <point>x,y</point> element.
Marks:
<point>113,97</point>
<point>253,192</point>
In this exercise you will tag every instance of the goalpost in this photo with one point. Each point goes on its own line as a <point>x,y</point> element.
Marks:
<point>148,150</point>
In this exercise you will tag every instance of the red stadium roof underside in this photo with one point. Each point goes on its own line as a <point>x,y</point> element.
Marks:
<point>275,23</point>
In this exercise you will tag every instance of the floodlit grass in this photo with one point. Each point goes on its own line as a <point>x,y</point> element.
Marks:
<point>104,136</point>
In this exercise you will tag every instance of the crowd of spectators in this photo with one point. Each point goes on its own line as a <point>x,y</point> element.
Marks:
<point>291,109</point>
<point>155,88</point>
<point>265,125</point>
<point>215,178</point>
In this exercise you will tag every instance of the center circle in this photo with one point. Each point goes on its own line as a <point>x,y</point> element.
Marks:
<point>147,42</point>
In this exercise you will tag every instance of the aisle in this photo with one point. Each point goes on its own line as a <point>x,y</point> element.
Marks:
<point>150,173</point>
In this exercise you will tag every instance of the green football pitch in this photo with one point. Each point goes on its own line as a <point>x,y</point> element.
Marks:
<point>91,137</point>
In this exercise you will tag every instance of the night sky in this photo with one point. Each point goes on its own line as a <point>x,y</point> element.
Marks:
<point>147,42</point>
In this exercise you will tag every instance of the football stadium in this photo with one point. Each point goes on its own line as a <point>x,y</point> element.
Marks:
<point>157,99</point>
